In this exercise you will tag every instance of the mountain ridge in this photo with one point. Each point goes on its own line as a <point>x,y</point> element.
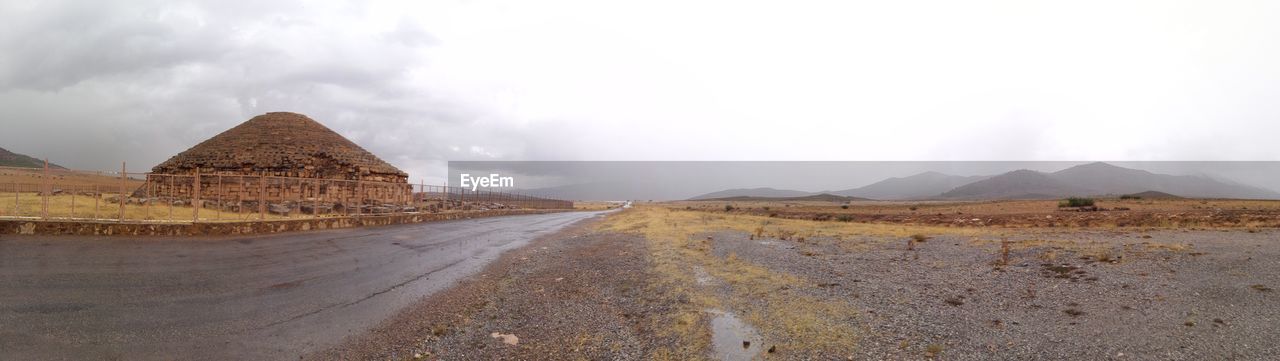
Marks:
<point>11,159</point>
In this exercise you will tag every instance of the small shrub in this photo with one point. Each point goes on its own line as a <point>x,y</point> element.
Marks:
<point>1103,256</point>
<point>919,237</point>
<point>913,208</point>
<point>1076,202</point>
<point>728,208</point>
<point>845,218</point>
<point>844,206</point>
<point>1048,255</point>
<point>1130,196</point>
<point>933,351</point>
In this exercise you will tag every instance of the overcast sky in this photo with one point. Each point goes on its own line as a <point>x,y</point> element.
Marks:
<point>89,84</point>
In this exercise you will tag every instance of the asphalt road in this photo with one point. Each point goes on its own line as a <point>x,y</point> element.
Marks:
<point>258,297</point>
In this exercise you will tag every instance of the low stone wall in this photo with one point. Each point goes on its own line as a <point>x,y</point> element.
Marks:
<point>108,228</point>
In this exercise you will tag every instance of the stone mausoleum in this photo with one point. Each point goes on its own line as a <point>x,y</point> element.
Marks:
<point>295,158</point>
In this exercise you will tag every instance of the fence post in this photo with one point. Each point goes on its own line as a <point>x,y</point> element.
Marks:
<point>44,191</point>
<point>262,197</point>
<point>360,190</point>
<point>240,191</point>
<point>124,175</point>
<point>96,196</point>
<point>195,197</point>
<point>302,196</point>
<point>221,194</point>
<point>151,201</point>
<point>172,187</point>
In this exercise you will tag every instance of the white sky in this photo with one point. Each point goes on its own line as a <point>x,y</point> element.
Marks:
<point>423,82</point>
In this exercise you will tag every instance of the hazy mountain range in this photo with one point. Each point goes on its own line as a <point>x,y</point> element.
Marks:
<point>11,159</point>
<point>1093,179</point>
<point>923,185</point>
<point>753,192</point>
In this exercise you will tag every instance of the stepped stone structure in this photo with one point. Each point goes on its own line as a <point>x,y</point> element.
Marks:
<point>281,162</point>
<point>282,144</point>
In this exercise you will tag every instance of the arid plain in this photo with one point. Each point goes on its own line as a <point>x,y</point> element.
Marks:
<point>1179,279</point>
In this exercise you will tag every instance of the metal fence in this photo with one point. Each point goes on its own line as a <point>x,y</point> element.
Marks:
<point>61,194</point>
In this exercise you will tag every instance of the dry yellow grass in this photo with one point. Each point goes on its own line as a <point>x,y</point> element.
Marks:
<point>595,206</point>
<point>30,179</point>
<point>1051,250</point>
<point>771,301</point>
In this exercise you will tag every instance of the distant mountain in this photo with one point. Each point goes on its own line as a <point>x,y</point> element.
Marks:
<point>1093,179</point>
<point>11,159</point>
<point>1101,179</point>
<point>1018,184</point>
<point>1106,179</point>
<point>824,197</point>
<point>752,192</point>
<point>1152,195</point>
<point>919,186</point>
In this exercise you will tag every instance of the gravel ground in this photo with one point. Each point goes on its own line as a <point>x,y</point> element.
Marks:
<point>948,297</point>
<point>1152,295</point>
<point>574,295</point>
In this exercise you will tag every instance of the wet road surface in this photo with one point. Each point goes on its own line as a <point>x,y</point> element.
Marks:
<point>249,297</point>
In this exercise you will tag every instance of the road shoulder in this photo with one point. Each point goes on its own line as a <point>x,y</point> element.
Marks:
<point>575,294</point>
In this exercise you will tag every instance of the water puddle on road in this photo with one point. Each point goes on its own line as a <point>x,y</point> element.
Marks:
<point>732,339</point>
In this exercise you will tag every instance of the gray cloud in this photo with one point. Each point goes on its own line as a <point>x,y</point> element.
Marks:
<point>93,84</point>
<point>90,84</point>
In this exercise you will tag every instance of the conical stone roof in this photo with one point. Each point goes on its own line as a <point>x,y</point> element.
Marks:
<point>282,144</point>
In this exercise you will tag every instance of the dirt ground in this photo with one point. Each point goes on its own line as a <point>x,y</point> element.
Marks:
<point>1113,212</point>
<point>664,283</point>
<point>957,299</point>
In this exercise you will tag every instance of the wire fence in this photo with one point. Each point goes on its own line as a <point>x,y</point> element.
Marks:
<point>62,194</point>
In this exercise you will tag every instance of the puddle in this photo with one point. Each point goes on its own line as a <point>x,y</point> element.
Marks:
<point>727,336</point>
